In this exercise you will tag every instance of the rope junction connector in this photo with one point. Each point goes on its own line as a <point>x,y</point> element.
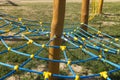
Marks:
<point>63,48</point>
<point>82,23</point>
<point>116,39</point>
<point>43,45</point>
<point>77,77</point>
<point>81,46</point>
<point>19,19</point>
<point>106,50</point>
<point>9,48</point>
<point>100,56</point>
<point>30,41</point>
<point>32,56</point>
<point>69,62</point>
<point>16,68</point>
<point>104,74</point>
<point>75,30</point>
<point>99,32</point>
<point>47,75</point>
<point>75,39</point>
<point>41,22</point>
<point>64,33</point>
<point>83,38</point>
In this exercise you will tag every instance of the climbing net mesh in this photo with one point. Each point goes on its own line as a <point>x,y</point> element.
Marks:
<point>98,47</point>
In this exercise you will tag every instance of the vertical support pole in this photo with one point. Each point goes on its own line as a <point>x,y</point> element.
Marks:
<point>56,30</point>
<point>85,13</point>
<point>100,6</point>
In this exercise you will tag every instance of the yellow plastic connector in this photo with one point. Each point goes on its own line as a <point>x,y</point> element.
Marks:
<point>94,45</point>
<point>83,38</point>
<point>100,56</point>
<point>32,56</point>
<point>64,33</point>
<point>9,48</point>
<point>77,77</point>
<point>75,39</point>
<point>93,36</point>
<point>47,75</point>
<point>88,37</point>
<point>20,19</point>
<point>41,22</point>
<point>43,45</point>
<point>30,41</point>
<point>106,50</point>
<point>81,46</point>
<point>118,51</point>
<point>81,23</point>
<point>103,44</point>
<point>74,30</point>
<point>16,67</point>
<point>62,48</point>
<point>116,39</point>
<point>111,42</point>
<point>69,62</point>
<point>104,74</point>
<point>99,32</point>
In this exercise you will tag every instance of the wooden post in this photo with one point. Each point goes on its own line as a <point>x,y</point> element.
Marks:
<point>100,6</point>
<point>56,30</point>
<point>85,13</point>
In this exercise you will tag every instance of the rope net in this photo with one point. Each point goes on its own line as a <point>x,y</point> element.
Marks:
<point>78,47</point>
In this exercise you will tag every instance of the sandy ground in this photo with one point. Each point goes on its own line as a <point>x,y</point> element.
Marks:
<point>35,1</point>
<point>30,1</point>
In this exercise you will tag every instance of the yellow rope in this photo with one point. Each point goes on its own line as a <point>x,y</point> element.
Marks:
<point>94,10</point>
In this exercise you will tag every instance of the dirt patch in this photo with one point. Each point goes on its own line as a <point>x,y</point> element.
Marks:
<point>108,23</point>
